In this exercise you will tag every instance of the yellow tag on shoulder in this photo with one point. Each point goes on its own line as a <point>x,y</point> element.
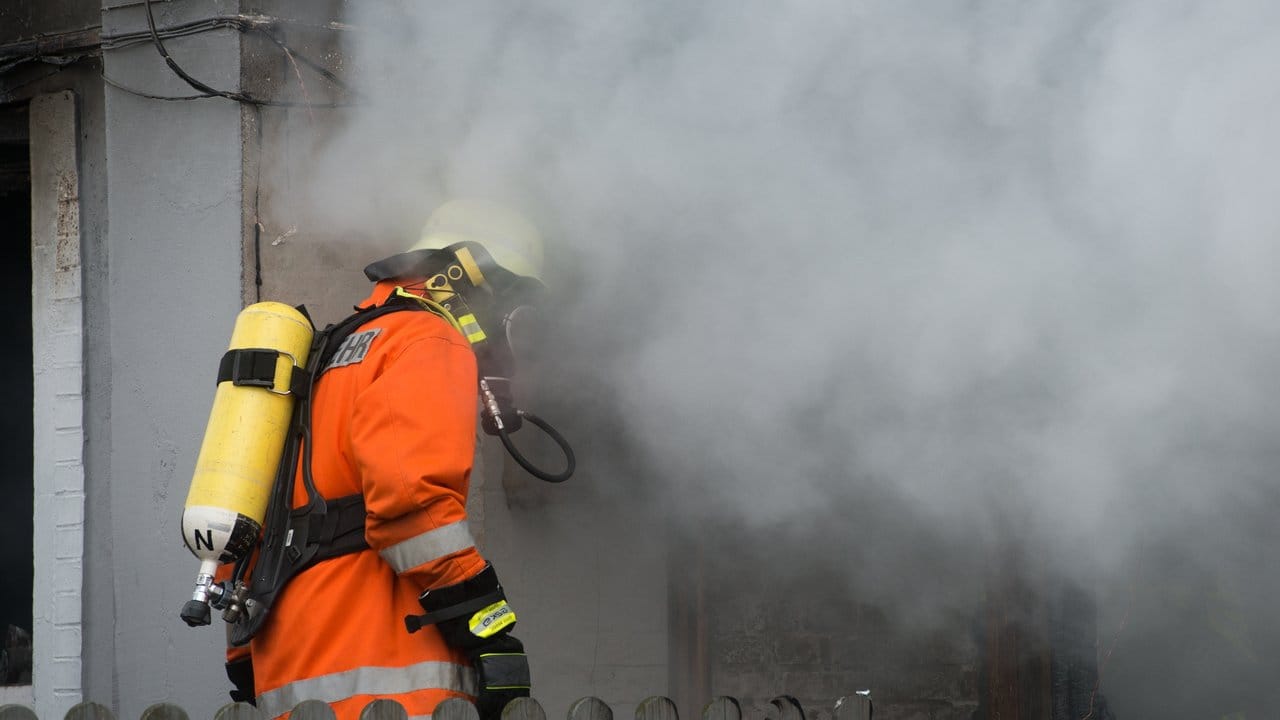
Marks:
<point>491,620</point>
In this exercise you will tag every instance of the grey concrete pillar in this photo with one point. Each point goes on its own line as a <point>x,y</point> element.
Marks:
<point>173,246</point>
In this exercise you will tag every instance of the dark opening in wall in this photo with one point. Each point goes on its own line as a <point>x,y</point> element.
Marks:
<point>16,381</point>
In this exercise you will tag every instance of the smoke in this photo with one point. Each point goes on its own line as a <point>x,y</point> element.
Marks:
<point>905,278</point>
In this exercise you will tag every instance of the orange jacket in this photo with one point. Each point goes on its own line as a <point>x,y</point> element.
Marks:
<point>394,418</point>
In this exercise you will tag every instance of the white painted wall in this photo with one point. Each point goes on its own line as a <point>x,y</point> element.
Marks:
<point>57,355</point>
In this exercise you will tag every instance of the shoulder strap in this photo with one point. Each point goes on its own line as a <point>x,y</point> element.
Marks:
<point>341,330</point>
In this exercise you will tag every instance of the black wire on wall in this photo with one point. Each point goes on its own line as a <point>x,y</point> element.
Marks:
<point>207,91</point>
<point>69,48</point>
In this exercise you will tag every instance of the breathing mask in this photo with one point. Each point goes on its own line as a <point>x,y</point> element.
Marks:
<point>495,309</point>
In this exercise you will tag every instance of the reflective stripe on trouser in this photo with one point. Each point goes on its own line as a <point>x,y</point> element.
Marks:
<point>429,675</point>
<point>430,545</point>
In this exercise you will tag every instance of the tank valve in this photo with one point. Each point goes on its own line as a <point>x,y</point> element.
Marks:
<point>234,603</point>
<point>196,610</point>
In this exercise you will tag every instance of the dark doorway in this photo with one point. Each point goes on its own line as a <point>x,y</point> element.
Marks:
<point>17,486</point>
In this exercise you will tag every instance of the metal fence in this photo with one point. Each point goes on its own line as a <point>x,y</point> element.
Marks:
<point>783,707</point>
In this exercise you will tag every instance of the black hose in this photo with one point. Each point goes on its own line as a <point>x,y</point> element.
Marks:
<point>570,462</point>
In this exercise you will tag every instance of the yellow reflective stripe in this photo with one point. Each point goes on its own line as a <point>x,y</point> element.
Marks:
<point>469,264</point>
<point>492,620</point>
<point>471,328</point>
<point>429,675</point>
<point>430,545</point>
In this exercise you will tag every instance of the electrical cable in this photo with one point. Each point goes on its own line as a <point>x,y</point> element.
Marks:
<point>49,47</point>
<point>156,36</point>
<point>9,91</point>
<point>257,204</point>
<point>150,96</point>
<point>195,27</point>
<point>17,62</point>
<point>240,23</point>
<point>59,60</point>
<point>177,69</point>
<point>323,71</point>
<point>270,103</point>
<point>209,91</point>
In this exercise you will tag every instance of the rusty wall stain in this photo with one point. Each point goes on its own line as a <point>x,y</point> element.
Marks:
<point>67,229</point>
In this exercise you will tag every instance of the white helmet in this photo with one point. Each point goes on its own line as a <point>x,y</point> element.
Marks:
<point>510,239</point>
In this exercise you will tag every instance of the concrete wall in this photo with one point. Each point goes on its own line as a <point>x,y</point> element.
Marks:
<point>173,247</point>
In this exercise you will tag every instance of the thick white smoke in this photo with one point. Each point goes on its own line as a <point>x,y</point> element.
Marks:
<point>1002,267</point>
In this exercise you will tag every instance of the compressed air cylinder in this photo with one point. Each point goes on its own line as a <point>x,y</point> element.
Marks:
<point>243,444</point>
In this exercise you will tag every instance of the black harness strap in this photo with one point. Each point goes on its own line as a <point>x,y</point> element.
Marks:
<point>337,531</point>
<point>256,367</point>
<point>296,539</point>
<point>249,366</point>
<point>414,623</point>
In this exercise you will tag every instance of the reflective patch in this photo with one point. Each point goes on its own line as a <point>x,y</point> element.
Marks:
<point>492,619</point>
<point>353,349</point>
<point>430,545</point>
<point>471,328</point>
<point>331,688</point>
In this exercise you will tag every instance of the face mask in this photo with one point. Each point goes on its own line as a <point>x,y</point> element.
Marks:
<point>496,310</point>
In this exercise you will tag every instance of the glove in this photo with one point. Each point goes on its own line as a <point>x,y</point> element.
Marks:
<point>473,616</point>
<point>502,675</point>
<point>240,673</point>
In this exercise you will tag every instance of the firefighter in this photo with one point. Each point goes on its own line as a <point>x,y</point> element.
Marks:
<point>393,423</point>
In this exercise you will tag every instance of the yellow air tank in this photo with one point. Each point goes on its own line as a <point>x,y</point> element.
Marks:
<point>243,442</point>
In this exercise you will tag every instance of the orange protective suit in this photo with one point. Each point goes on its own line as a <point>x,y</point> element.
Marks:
<point>394,418</point>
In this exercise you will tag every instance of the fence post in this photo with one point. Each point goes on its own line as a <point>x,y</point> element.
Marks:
<point>165,711</point>
<point>384,709</point>
<point>89,711</point>
<point>723,708</point>
<point>590,708</point>
<point>455,709</point>
<point>233,711</point>
<point>657,707</point>
<point>312,710</point>
<point>788,708</point>
<point>17,712</point>
<point>523,709</point>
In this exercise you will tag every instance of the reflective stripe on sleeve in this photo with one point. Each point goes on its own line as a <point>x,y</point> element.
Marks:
<point>429,675</point>
<point>430,545</point>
